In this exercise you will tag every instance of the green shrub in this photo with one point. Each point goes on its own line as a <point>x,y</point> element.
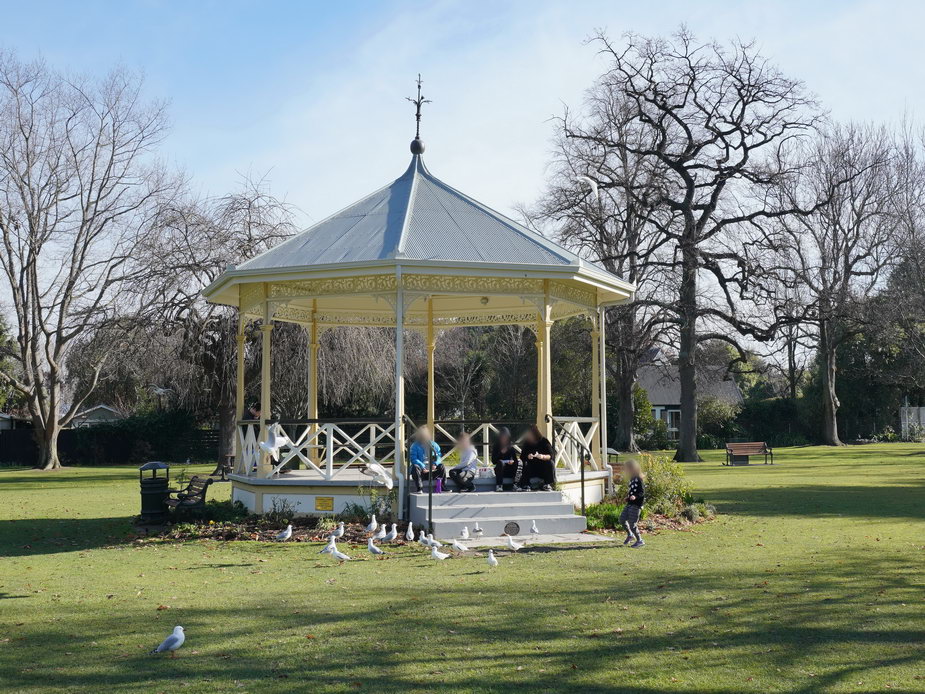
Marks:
<point>606,516</point>
<point>691,513</point>
<point>224,511</point>
<point>280,513</point>
<point>667,490</point>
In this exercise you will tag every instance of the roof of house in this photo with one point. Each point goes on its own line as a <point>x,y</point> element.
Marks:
<point>416,217</point>
<point>85,413</point>
<point>662,384</point>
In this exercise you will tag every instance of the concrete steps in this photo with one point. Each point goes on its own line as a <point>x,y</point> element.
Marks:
<point>497,513</point>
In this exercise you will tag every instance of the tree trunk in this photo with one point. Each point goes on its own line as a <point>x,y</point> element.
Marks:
<point>687,358</point>
<point>226,429</point>
<point>626,438</point>
<point>829,398</point>
<point>47,439</point>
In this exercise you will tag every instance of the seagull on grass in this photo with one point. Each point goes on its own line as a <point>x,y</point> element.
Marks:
<point>380,536</point>
<point>514,545</point>
<point>391,535</point>
<point>284,535</point>
<point>422,539</point>
<point>459,546</point>
<point>373,524</point>
<point>432,542</point>
<point>375,551</point>
<point>338,532</point>
<point>330,547</point>
<point>492,561</point>
<point>337,554</point>
<point>171,643</point>
<point>409,533</point>
<point>465,532</point>
<point>435,554</point>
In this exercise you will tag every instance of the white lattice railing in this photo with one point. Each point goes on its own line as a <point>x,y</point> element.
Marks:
<point>328,448</point>
<point>574,439</point>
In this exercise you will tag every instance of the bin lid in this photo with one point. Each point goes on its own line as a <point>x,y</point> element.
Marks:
<point>154,466</point>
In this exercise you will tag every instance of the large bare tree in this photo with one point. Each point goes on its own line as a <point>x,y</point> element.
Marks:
<point>79,191</point>
<point>715,124</point>
<point>836,257</point>
<point>599,201</point>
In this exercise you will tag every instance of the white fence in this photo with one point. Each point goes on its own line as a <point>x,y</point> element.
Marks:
<point>329,448</point>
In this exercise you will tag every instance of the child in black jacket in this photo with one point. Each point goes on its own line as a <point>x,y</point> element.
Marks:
<point>635,498</point>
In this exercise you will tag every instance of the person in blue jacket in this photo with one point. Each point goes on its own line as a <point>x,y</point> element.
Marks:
<point>425,458</point>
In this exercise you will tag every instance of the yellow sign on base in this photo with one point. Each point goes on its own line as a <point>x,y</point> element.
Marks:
<point>324,503</point>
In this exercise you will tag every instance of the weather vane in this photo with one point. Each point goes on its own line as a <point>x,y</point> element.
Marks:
<point>420,101</point>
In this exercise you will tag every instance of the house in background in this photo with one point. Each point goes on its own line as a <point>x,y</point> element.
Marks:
<point>662,384</point>
<point>11,421</point>
<point>99,414</point>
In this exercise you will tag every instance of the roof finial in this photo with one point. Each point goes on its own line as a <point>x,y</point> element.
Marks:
<point>417,145</point>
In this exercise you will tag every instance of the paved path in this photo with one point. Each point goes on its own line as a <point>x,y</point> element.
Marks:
<point>541,539</point>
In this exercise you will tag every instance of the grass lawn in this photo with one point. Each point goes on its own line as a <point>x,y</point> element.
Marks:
<point>811,580</point>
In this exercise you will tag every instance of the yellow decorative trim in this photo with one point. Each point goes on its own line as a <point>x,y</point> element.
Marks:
<point>467,284</point>
<point>362,284</point>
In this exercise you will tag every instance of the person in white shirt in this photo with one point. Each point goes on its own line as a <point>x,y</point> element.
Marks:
<point>464,473</point>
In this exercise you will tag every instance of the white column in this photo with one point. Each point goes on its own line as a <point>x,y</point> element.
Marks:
<point>266,376</point>
<point>398,471</point>
<point>544,367</point>
<point>313,376</point>
<point>239,396</point>
<point>431,349</point>
<point>602,353</point>
<point>595,387</point>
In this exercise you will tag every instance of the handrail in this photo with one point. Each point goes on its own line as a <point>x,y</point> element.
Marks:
<point>584,458</point>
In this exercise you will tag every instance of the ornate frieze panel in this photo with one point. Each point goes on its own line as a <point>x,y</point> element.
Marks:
<point>250,298</point>
<point>362,284</point>
<point>467,284</point>
<point>573,294</point>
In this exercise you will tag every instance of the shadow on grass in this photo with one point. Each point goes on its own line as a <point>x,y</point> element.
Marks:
<point>378,640</point>
<point>31,536</point>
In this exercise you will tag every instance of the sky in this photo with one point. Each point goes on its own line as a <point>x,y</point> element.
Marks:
<point>310,96</point>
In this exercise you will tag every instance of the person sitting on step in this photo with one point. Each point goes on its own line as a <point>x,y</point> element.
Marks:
<point>508,466</point>
<point>539,461</point>
<point>463,475</point>
<point>426,460</point>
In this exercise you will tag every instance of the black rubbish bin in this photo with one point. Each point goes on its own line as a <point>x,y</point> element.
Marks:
<point>154,492</point>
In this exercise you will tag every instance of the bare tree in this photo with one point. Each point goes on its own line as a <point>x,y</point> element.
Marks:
<point>79,191</point>
<point>837,255</point>
<point>599,202</point>
<point>714,126</point>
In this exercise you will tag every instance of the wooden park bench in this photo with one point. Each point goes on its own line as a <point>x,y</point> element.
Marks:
<point>191,498</point>
<point>738,453</point>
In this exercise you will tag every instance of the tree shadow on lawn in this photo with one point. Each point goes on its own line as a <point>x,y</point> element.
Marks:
<point>30,536</point>
<point>378,640</point>
<point>874,502</point>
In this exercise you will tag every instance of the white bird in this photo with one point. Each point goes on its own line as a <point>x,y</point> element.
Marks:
<point>592,183</point>
<point>434,554</point>
<point>477,531</point>
<point>276,439</point>
<point>373,524</point>
<point>514,545</point>
<point>392,534</point>
<point>338,532</point>
<point>465,532</point>
<point>534,530</point>
<point>492,562</point>
<point>284,535</point>
<point>380,473</point>
<point>432,542</point>
<point>171,643</point>
<point>380,536</point>
<point>422,539</point>
<point>330,547</point>
<point>459,547</point>
<point>375,551</point>
<point>339,555</point>
<point>409,533</point>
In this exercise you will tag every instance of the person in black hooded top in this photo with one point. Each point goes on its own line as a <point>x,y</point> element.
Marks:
<point>506,460</point>
<point>539,460</point>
